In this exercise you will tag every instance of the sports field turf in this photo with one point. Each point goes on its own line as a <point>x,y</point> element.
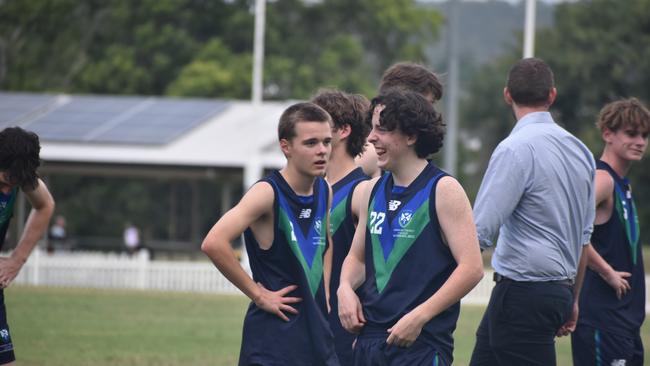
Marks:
<point>55,327</point>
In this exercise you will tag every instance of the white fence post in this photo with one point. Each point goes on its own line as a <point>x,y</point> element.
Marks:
<point>36,256</point>
<point>143,267</point>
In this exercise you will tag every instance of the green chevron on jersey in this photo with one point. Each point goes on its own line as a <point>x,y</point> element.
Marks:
<point>313,273</point>
<point>384,268</point>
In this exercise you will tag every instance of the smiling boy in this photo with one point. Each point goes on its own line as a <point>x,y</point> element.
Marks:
<point>415,252</point>
<point>612,302</point>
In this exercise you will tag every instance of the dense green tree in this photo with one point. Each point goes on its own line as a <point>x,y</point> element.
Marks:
<point>204,48</point>
<point>215,72</point>
<point>44,44</point>
<point>345,44</point>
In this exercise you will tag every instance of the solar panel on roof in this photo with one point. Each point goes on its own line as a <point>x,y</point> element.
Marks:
<point>161,121</point>
<point>80,116</point>
<point>16,107</point>
<point>110,119</point>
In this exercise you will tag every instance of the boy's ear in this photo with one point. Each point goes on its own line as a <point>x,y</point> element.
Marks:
<point>344,131</point>
<point>285,146</point>
<point>607,135</point>
<point>411,140</point>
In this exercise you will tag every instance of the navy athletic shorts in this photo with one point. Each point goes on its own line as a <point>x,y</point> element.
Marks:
<point>6,347</point>
<point>592,347</point>
<point>373,351</point>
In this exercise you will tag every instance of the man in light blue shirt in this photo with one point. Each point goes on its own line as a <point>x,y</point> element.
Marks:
<point>538,195</point>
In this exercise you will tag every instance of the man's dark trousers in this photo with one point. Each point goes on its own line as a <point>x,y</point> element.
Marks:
<point>520,323</point>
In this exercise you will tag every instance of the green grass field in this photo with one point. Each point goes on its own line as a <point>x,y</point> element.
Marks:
<point>56,327</point>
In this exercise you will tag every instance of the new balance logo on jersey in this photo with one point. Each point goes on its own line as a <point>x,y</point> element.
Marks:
<point>305,213</point>
<point>393,205</point>
<point>618,363</point>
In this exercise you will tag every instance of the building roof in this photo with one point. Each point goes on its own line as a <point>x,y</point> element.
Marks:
<point>148,130</point>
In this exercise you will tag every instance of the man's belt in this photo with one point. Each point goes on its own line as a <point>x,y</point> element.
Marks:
<point>497,277</point>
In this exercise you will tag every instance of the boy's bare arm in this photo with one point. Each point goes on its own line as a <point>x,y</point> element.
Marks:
<point>604,185</point>
<point>353,273</point>
<point>37,222</point>
<point>256,205</point>
<point>457,226</point>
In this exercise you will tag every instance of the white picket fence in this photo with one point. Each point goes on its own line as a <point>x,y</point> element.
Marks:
<point>120,271</point>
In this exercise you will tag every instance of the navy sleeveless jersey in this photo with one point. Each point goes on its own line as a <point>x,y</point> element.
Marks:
<point>295,258</point>
<point>6,212</point>
<point>406,259</point>
<point>617,241</point>
<point>342,227</point>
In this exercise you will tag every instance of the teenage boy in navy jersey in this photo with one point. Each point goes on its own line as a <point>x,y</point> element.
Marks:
<point>349,134</point>
<point>416,254</point>
<point>284,219</point>
<point>19,160</point>
<point>612,301</point>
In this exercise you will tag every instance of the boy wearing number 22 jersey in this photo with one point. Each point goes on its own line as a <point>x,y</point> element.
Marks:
<point>416,253</point>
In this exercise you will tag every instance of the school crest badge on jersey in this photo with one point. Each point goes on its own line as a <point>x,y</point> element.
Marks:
<point>318,226</point>
<point>405,218</point>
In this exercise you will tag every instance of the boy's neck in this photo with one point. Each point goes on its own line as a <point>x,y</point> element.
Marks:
<point>621,166</point>
<point>302,184</point>
<point>407,171</point>
<point>339,166</point>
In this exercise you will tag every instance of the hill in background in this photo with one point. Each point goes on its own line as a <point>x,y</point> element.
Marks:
<point>487,30</point>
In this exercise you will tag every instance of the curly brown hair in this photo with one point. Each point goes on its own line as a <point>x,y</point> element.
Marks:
<point>410,113</point>
<point>19,156</point>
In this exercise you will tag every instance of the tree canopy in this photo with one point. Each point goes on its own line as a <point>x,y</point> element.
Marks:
<point>204,48</point>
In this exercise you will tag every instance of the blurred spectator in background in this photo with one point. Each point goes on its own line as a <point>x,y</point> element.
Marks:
<point>131,238</point>
<point>57,235</point>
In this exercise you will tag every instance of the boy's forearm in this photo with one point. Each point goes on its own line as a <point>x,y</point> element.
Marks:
<point>596,262</point>
<point>223,257</point>
<point>35,227</point>
<point>353,272</point>
<point>461,281</point>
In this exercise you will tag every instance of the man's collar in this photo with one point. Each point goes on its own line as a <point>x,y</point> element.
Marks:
<point>533,117</point>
